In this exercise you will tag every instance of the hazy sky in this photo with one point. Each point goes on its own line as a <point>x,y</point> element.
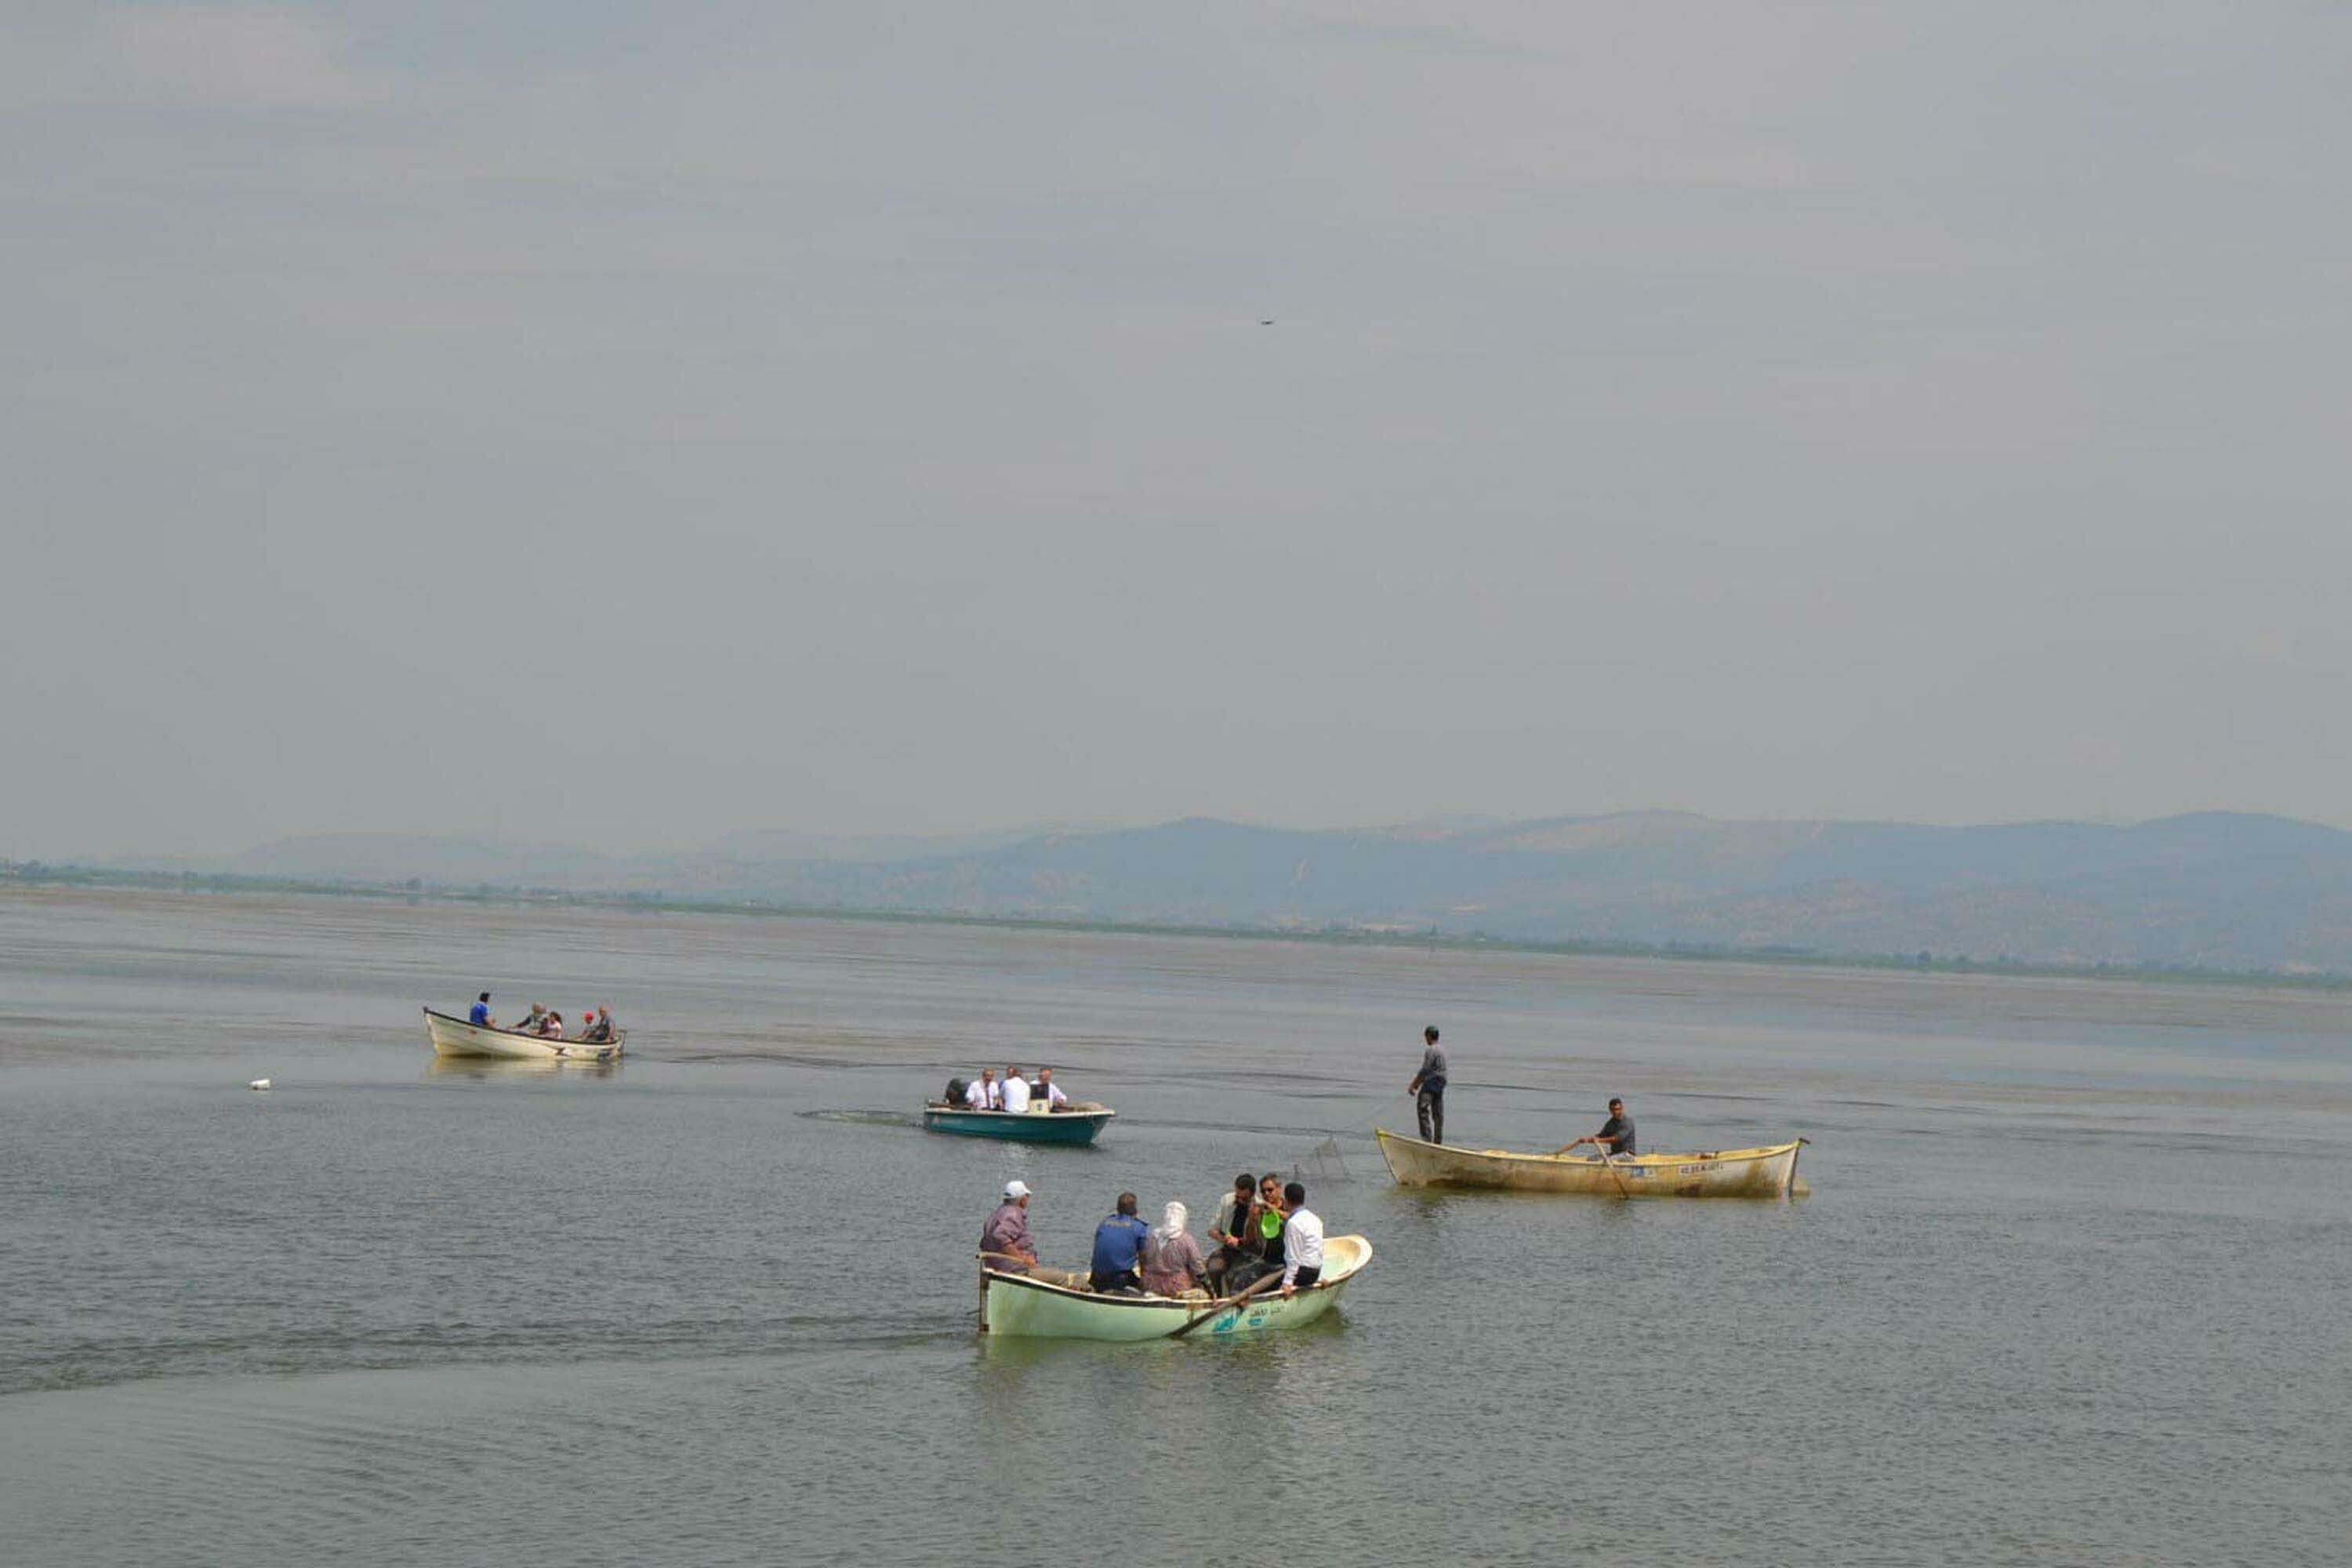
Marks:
<point>624,423</point>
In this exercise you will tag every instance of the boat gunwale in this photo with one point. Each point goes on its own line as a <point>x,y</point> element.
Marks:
<point>992,1275</point>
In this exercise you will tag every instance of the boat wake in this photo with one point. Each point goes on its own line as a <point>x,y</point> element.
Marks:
<point>866,1117</point>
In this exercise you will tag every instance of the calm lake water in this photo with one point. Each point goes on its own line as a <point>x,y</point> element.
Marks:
<point>2072,1286</point>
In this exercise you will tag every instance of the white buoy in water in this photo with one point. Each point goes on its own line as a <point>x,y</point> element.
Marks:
<point>258,1083</point>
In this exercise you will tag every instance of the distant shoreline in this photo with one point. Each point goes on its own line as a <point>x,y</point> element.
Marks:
<point>40,874</point>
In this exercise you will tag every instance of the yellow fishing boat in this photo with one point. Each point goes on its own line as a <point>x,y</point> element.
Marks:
<point>1765,1173</point>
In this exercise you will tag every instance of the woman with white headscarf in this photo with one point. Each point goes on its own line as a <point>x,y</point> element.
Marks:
<point>1172,1263</point>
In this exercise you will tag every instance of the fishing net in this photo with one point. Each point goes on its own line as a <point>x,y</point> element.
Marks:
<point>1322,1163</point>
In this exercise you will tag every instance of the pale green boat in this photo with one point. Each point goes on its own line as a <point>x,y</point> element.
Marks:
<point>1016,1304</point>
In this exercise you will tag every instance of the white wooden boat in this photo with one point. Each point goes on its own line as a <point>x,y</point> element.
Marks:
<point>457,1038</point>
<point>1765,1172</point>
<point>1016,1304</point>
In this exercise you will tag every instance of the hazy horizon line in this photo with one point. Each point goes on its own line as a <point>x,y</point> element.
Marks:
<point>619,845</point>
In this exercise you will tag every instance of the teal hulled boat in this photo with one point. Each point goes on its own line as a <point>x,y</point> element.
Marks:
<point>1075,1124</point>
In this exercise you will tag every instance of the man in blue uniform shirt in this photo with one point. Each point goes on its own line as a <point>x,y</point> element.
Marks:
<point>480,1015</point>
<point>1118,1247</point>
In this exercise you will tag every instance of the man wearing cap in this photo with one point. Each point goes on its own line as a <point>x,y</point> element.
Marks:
<point>1616,1137</point>
<point>1429,1084</point>
<point>1004,1240</point>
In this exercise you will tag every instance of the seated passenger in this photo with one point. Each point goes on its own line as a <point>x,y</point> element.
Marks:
<point>1302,1242</point>
<point>1225,1230</point>
<point>1119,1248</point>
<point>1172,1263</point>
<point>479,1015</point>
<point>1048,1090</point>
<point>553,1027</point>
<point>533,1022</point>
<point>984,1093</point>
<point>1017,1092</point>
<point>1004,1240</point>
<point>1260,1236</point>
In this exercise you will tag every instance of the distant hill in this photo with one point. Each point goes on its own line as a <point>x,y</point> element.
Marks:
<point>2218,891</point>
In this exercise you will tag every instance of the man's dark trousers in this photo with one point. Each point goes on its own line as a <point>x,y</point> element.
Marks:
<point>1431,1104</point>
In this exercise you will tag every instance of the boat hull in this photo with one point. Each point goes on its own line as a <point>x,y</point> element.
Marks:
<point>1014,1304</point>
<point>1020,1127</point>
<point>1764,1172</point>
<point>457,1038</point>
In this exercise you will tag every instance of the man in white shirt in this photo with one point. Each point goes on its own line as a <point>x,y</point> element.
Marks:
<point>1048,1090</point>
<point>1302,1241</point>
<point>982,1093</point>
<point>1017,1092</point>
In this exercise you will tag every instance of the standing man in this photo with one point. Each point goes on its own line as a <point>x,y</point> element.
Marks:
<point>480,1014</point>
<point>1118,1249</point>
<point>1616,1134</point>
<point>1429,1085</point>
<point>1302,1241</point>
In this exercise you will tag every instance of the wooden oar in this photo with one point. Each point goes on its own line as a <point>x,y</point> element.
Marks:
<point>1613,1176</point>
<point>1622,1191</point>
<point>1216,1307</point>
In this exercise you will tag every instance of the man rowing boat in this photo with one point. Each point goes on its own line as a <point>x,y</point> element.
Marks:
<point>1616,1137</point>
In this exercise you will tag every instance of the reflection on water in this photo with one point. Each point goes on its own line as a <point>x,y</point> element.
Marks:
<point>869,1118</point>
<point>485,1068</point>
